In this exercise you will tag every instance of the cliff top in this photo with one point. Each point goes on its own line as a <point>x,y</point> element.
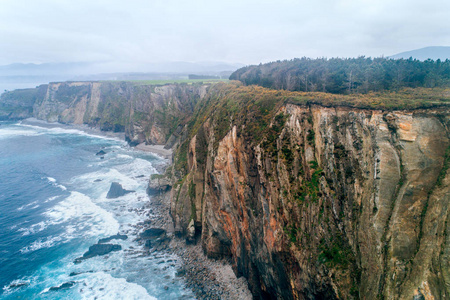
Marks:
<point>403,99</point>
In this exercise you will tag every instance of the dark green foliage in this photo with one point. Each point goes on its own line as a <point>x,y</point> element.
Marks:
<point>156,176</point>
<point>313,188</point>
<point>288,155</point>
<point>181,163</point>
<point>339,151</point>
<point>346,76</point>
<point>335,253</point>
<point>310,189</point>
<point>19,103</point>
<point>445,167</point>
<point>191,190</point>
<point>348,172</point>
<point>313,164</point>
<point>23,97</point>
<point>273,133</point>
<point>291,232</point>
<point>311,137</point>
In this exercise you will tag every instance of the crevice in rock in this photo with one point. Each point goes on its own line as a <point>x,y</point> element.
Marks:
<point>385,239</point>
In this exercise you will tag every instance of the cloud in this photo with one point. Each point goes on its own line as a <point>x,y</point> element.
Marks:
<point>233,31</point>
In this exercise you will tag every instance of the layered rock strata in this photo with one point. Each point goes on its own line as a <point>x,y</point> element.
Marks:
<point>327,203</point>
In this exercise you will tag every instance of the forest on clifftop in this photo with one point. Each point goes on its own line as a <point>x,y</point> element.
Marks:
<point>347,75</point>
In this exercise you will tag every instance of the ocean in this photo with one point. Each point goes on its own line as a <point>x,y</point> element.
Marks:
<point>53,207</point>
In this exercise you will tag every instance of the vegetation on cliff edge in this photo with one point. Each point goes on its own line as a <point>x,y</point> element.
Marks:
<point>347,76</point>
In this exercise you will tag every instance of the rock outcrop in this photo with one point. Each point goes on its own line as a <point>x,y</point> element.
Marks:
<point>98,250</point>
<point>116,190</point>
<point>158,184</point>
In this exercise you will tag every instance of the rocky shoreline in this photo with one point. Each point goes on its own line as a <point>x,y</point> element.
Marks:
<point>208,278</point>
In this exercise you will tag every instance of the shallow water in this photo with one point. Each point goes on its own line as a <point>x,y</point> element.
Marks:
<point>53,207</point>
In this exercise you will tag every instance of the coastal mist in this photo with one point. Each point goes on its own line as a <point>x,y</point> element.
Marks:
<point>55,211</point>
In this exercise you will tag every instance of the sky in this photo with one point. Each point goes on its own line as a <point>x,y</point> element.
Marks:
<point>133,32</point>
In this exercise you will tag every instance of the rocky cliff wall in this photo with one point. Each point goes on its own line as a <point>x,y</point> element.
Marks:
<point>145,112</point>
<point>313,202</point>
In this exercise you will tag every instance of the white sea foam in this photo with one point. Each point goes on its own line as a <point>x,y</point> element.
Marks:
<point>40,243</point>
<point>87,215</point>
<point>79,206</point>
<point>26,205</point>
<point>124,156</point>
<point>98,189</point>
<point>38,227</point>
<point>61,130</point>
<point>135,168</point>
<point>51,199</point>
<point>53,182</point>
<point>13,132</point>
<point>79,217</point>
<point>101,285</point>
<point>15,284</point>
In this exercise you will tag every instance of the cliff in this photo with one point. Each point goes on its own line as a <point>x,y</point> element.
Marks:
<point>145,112</point>
<point>310,195</point>
<point>314,202</point>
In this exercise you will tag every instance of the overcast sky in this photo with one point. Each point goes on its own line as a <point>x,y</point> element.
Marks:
<point>235,31</point>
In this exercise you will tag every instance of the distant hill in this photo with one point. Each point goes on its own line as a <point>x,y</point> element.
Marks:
<point>85,68</point>
<point>437,52</point>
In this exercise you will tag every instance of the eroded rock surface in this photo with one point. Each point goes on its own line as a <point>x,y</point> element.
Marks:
<point>329,203</point>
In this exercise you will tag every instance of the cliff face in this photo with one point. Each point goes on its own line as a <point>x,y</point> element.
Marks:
<point>18,104</point>
<point>322,203</point>
<point>146,113</point>
<point>310,196</point>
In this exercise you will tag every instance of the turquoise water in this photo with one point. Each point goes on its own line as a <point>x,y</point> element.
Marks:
<point>53,206</point>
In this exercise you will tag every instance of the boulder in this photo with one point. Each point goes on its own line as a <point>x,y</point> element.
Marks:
<point>158,184</point>
<point>152,233</point>
<point>116,190</point>
<point>100,153</point>
<point>63,286</point>
<point>113,237</point>
<point>191,232</point>
<point>98,250</point>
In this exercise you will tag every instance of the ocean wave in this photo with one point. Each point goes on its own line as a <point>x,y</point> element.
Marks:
<point>51,199</point>
<point>15,284</point>
<point>14,132</point>
<point>26,205</point>
<point>33,228</point>
<point>137,167</point>
<point>79,206</point>
<point>101,285</point>
<point>54,183</point>
<point>78,216</point>
<point>98,183</point>
<point>42,243</point>
<point>61,130</point>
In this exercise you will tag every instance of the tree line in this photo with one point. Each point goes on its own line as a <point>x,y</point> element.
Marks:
<point>346,75</point>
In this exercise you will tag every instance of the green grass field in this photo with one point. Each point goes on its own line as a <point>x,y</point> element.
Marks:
<point>169,81</point>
